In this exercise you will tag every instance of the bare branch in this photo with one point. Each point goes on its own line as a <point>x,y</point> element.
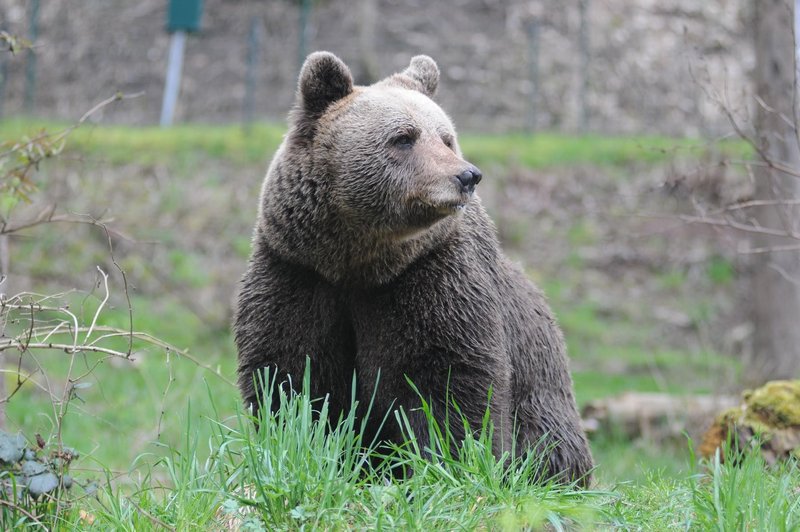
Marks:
<point>124,287</point>
<point>788,278</point>
<point>153,519</point>
<point>785,119</point>
<point>164,395</point>
<point>22,379</point>
<point>770,249</point>
<point>725,222</point>
<point>46,217</point>
<point>755,203</point>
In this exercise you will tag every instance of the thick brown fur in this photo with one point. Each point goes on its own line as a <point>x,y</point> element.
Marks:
<point>371,256</point>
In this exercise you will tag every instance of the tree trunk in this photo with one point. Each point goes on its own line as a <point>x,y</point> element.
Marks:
<point>776,275</point>
<point>6,291</point>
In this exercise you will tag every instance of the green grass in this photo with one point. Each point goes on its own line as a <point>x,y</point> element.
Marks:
<point>612,354</point>
<point>150,145</point>
<point>732,496</point>
<point>295,473</point>
<point>590,385</point>
<point>721,271</point>
<point>551,149</point>
<point>182,143</point>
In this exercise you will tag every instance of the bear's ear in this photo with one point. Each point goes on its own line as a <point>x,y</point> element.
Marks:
<point>324,79</point>
<point>424,72</point>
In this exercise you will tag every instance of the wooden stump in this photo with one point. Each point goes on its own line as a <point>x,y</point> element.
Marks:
<point>768,417</point>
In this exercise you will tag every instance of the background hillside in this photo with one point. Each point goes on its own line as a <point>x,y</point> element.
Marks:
<point>637,67</point>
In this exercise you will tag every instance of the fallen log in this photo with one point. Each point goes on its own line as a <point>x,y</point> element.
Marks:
<point>656,417</point>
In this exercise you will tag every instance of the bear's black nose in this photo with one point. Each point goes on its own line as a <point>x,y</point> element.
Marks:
<point>469,178</point>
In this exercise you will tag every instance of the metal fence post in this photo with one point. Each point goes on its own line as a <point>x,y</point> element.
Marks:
<point>182,16</point>
<point>305,11</point>
<point>30,66</point>
<point>533,72</point>
<point>254,39</point>
<point>583,89</point>
<point>3,74</point>
<point>174,67</point>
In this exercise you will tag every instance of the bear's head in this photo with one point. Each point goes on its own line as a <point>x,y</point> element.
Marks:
<point>378,171</point>
<point>390,152</point>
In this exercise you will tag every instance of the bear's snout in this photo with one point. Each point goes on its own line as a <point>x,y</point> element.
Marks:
<point>469,178</point>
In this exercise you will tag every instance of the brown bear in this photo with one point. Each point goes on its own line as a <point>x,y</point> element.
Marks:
<point>373,255</point>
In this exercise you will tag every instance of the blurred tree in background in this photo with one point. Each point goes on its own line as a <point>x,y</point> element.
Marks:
<point>776,267</point>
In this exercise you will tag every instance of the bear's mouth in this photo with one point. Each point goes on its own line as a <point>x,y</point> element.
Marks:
<point>450,208</point>
<point>426,212</point>
<point>445,208</point>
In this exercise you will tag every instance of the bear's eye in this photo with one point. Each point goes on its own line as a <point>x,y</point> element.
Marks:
<point>448,141</point>
<point>404,141</point>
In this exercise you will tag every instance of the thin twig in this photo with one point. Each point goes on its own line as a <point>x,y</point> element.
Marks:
<point>786,120</point>
<point>164,395</point>
<point>100,307</point>
<point>21,380</point>
<point>23,511</point>
<point>60,135</point>
<point>30,331</point>
<point>784,274</point>
<point>48,218</point>
<point>52,330</point>
<point>770,249</point>
<point>717,222</point>
<point>153,519</point>
<point>754,203</point>
<point>124,287</point>
<point>67,348</point>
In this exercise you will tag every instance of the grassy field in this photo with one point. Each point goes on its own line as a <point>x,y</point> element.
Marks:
<point>161,435</point>
<point>296,474</point>
<point>239,146</point>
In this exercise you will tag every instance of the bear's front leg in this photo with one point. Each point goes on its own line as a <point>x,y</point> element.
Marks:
<point>447,342</point>
<point>285,314</point>
<point>458,398</point>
